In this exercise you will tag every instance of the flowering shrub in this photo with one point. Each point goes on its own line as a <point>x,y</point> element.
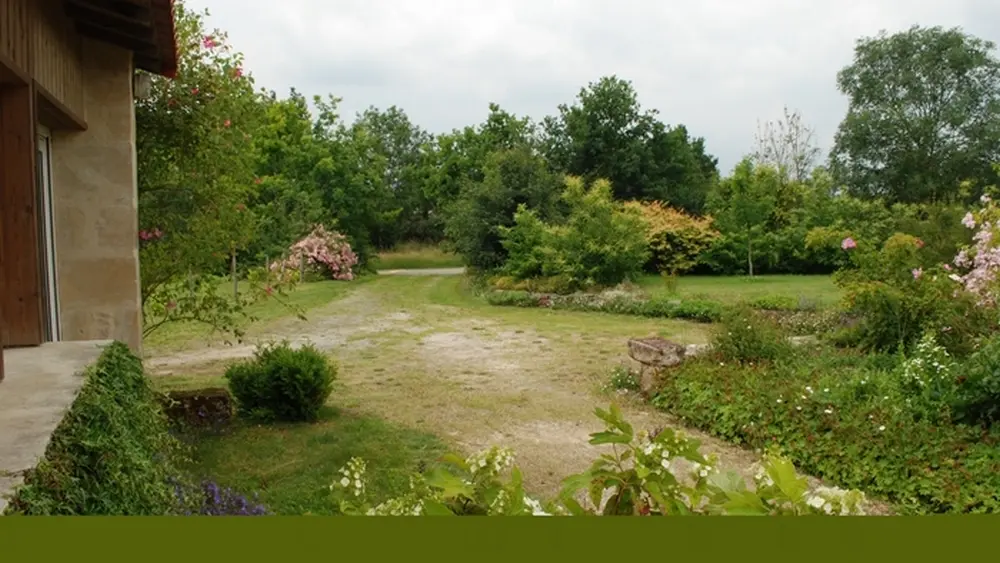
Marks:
<point>647,475</point>
<point>675,239</point>
<point>927,379</point>
<point>327,250</point>
<point>211,500</point>
<point>622,379</point>
<point>196,160</point>
<point>982,259</point>
<point>897,298</point>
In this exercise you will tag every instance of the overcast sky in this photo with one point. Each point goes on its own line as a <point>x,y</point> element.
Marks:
<point>716,66</point>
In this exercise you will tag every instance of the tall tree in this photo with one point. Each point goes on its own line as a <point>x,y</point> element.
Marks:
<point>924,115</point>
<point>195,158</point>
<point>745,203</point>
<point>403,145</point>
<point>607,134</point>
<point>286,198</point>
<point>787,144</point>
<point>512,177</point>
<point>460,159</point>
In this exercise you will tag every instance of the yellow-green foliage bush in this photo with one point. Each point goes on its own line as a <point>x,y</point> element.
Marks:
<point>675,239</point>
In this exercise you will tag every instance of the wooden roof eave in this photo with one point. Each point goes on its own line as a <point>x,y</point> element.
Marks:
<point>145,27</point>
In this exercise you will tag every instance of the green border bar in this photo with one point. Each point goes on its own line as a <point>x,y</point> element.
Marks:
<point>179,539</point>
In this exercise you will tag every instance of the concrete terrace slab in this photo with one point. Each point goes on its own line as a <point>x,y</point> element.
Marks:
<point>39,387</point>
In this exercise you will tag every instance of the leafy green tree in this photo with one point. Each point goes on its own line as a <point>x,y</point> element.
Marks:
<point>404,146</point>
<point>461,156</point>
<point>512,178</point>
<point>924,116</point>
<point>745,204</point>
<point>286,199</point>
<point>195,159</point>
<point>607,134</point>
<point>350,179</point>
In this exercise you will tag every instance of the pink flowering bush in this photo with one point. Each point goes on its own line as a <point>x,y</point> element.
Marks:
<point>327,251</point>
<point>898,296</point>
<point>981,260</point>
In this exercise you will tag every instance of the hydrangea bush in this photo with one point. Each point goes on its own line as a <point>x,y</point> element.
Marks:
<point>647,474</point>
<point>328,251</point>
<point>981,260</point>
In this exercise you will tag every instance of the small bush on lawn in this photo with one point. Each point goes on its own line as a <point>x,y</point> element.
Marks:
<point>869,422</point>
<point>282,383</point>
<point>112,454</point>
<point>744,336</point>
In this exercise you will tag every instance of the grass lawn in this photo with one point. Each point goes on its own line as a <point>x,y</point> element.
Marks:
<point>417,256</point>
<point>732,289</point>
<point>292,466</point>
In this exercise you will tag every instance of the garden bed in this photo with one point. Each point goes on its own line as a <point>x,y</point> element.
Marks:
<point>836,415</point>
<point>799,317</point>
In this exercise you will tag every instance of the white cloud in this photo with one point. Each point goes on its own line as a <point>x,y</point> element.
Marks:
<point>717,66</point>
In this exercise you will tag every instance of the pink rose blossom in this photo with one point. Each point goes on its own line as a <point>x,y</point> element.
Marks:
<point>917,272</point>
<point>209,42</point>
<point>848,243</point>
<point>969,221</point>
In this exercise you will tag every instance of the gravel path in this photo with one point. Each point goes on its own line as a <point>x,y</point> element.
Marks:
<point>424,272</point>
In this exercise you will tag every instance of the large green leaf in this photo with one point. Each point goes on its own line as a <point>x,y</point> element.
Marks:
<point>788,481</point>
<point>745,503</point>
<point>450,485</point>
<point>435,508</point>
<point>599,438</point>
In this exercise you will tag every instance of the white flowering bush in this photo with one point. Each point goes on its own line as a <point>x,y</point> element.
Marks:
<point>645,474</point>
<point>927,377</point>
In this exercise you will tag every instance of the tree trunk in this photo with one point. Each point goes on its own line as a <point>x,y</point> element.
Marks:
<point>750,253</point>
<point>232,272</point>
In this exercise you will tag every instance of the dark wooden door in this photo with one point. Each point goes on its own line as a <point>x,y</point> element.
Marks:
<point>21,297</point>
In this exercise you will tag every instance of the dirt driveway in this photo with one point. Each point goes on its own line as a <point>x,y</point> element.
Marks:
<point>416,351</point>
